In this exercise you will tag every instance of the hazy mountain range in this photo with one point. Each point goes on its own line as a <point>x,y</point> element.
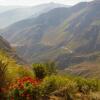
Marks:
<point>70,36</point>
<point>12,14</point>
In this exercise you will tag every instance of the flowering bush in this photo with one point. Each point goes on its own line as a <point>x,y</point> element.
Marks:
<point>25,88</point>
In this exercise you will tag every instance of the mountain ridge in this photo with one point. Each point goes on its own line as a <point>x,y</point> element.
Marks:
<point>21,13</point>
<point>61,31</point>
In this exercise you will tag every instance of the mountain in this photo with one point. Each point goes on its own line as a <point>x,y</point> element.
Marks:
<point>35,29</point>
<point>63,35</point>
<point>21,13</point>
<point>77,27</point>
<point>6,48</point>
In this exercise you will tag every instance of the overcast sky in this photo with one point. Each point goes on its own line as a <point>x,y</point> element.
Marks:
<point>37,2</point>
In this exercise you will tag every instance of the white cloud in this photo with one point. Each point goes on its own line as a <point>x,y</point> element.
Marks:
<point>36,2</point>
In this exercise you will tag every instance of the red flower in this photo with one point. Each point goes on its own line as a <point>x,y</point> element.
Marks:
<point>22,84</point>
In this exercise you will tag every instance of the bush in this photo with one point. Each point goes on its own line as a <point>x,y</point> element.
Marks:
<point>87,85</point>
<point>93,85</point>
<point>24,71</point>
<point>2,78</point>
<point>48,85</point>
<point>66,87</point>
<point>3,69</point>
<point>55,82</point>
<point>25,88</point>
<point>51,68</point>
<point>45,69</point>
<point>39,71</point>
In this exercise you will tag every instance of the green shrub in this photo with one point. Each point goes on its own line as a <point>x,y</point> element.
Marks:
<point>51,68</point>
<point>87,85</point>
<point>39,71</point>
<point>48,85</point>
<point>23,71</point>
<point>44,69</point>
<point>66,87</point>
<point>93,85</point>
<point>55,82</point>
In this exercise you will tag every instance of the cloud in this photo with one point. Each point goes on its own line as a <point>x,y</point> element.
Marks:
<point>36,2</point>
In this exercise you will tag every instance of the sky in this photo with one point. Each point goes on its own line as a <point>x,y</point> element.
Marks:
<point>37,2</point>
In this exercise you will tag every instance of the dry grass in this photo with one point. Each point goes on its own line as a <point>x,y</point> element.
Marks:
<point>79,96</point>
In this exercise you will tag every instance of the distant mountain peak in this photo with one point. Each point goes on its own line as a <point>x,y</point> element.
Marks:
<point>22,13</point>
<point>95,1</point>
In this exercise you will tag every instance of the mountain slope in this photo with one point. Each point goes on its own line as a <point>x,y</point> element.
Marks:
<point>29,33</point>
<point>6,48</point>
<point>58,33</point>
<point>77,26</point>
<point>4,44</point>
<point>49,21</point>
<point>35,27</point>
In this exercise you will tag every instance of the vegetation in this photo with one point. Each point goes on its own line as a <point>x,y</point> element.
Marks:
<point>2,78</point>
<point>42,82</point>
<point>42,70</point>
<point>39,71</point>
<point>54,36</point>
<point>24,89</point>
